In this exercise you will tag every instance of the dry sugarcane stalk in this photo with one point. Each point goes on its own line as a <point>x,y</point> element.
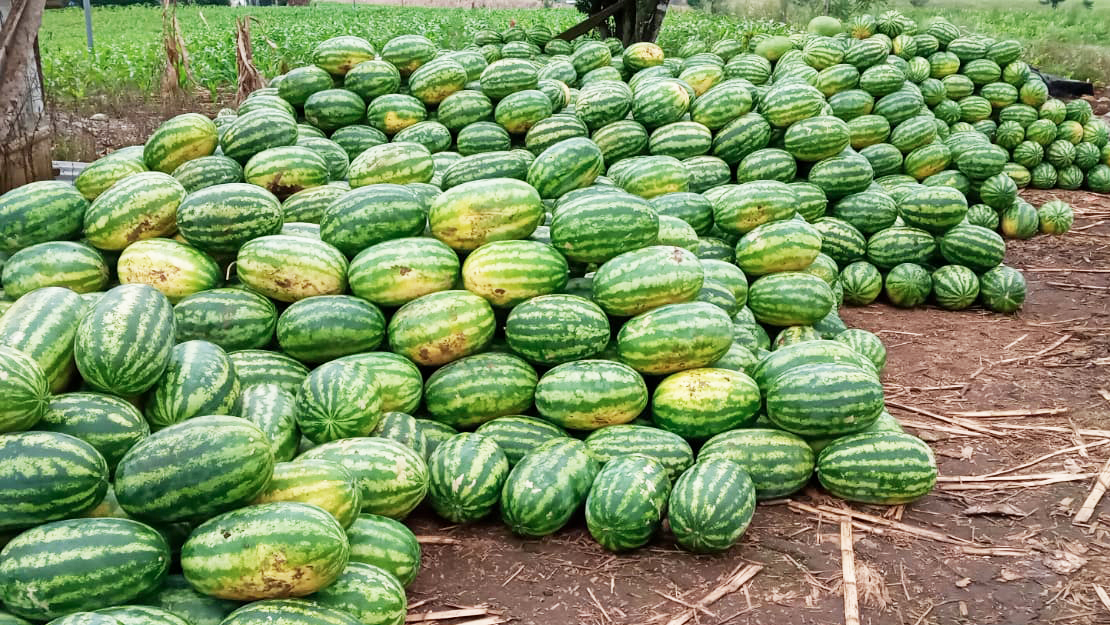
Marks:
<point>848,567</point>
<point>1030,477</point>
<point>437,540</point>
<point>445,614</point>
<point>1001,485</point>
<point>1054,345</point>
<point>734,583</point>
<point>988,414</point>
<point>249,78</point>
<point>1083,447</point>
<point>1087,510</point>
<point>953,421</point>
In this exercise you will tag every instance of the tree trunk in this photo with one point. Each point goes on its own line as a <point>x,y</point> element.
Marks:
<point>24,136</point>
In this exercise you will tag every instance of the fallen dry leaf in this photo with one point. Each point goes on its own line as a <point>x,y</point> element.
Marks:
<point>1063,562</point>
<point>963,583</point>
<point>999,509</point>
<point>967,452</point>
<point>1009,575</point>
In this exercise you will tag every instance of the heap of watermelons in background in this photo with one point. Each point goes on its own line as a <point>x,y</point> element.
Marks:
<point>246,350</point>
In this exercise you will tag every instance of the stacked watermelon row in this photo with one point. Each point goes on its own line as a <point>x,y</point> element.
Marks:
<point>527,278</point>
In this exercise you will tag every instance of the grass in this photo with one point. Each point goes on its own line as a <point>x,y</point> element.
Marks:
<point>128,59</point>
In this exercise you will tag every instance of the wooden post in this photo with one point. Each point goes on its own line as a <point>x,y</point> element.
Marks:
<point>24,134</point>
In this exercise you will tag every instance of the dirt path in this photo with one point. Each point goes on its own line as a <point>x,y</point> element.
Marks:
<point>938,361</point>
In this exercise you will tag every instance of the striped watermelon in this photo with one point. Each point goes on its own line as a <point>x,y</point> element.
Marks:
<point>625,504</point>
<point>399,163</point>
<point>255,366</point>
<point>505,76</point>
<point>273,410</point>
<point>519,111</point>
<point>123,342</point>
<point>386,544</point>
<point>38,212</point>
<point>675,337</point>
<point>585,230</point>
<point>338,55</point>
<point>462,108</point>
<point>908,285</point>
<point>175,269</point>
<point>779,463</point>
<point>861,283</point>
<point>271,550</point>
<point>789,102</point>
<point>288,612</point>
<point>290,268</point>
<point>141,615</point>
<point>667,448</point>
<point>821,400</point>
<point>205,316</point>
<point>897,245</point>
<point>393,478</point>
<point>138,207</point>
<point>77,479</point>
<point>472,214</point>
<point>955,287</point>
<point>700,403</point>
<point>1002,289</point>
<point>285,170</point>
<point>221,218</point>
<point>465,477</point>
<point>621,139</point>
<point>553,329</point>
<point>194,470</point>
<point>198,380</point>
<point>207,171</point>
<point>565,166</point>
<point>517,435</point>
<point>475,389</point>
<point>42,327</point>
<point>297,84</point>
<point>118,559</point>
<point>421,328</point>
<point>590,394</point>
<point>878,467</point>
<point>308,205</point>
<point>395,272</point>
<point>638,281</point>
<point>109,424</point>
<point>399,381</point>
<point>435,81</point>
<point>254,131</point>
<point>547,487</point>
<point>338,400</point>
<point>482,136</point>
<point>974,247</point>
<point>711,506</point>
<point>790,298</point>
<point>105,172</point>
<point>179,139</point>
<point>391,113</point>
<point>865,343</point>
<point>738,209</point>
<point>403,428</point>
<point>178,597</point>
<point>816,138</point>
<point>789,245</point>
<point>317,482</point>
<point>319,329</point>
<point>507,273</point>
<point>370,594</point>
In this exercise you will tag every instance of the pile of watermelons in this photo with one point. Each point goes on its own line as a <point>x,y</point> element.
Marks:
<point>524,278</point>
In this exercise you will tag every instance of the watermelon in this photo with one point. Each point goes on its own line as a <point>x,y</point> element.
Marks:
<point>820,400</point>
<point>897,245</point>
<point>465,477</point>
<point>908,285</point>
<point>547,487</point>
<point>507,273</point>
<point>435,81</point>
<point>711,506</point>
<point>462,108</point>
<point>338,400</point>
<point>778,246</point>
<point>370,594</point>
<point>393,478</point>
<point>472,214</point>
<point>475,389</point>
<point>109,424</point>
<point>399,381</point>
<point>395,272</point>
<point>742,136</point>
<point>194,470</point>
<point>547,132</point>
<point>198,380</point>
<point>256,366</point>
<point>308,205</point>
<point>140,615</point>
<point>105,172</point>
<point>403,428</point>
<point>700,403</point>
<point>955,287</point>
<point>739,209</point>
<point>503,77</point>
<point>127,560</point>
<point>386,544</point>
<point>553,329</point>
<point>974,247</point>
<point>178,597</point>
<point>400,163</point>
<point>141,206</point>
<point>123,342</point>
<point>482,136</point>
<point>1054,217</point>
<point>866,344</point>
<point>290,268</point>
<point>318,482</point>
<point>674,337</point>
<point>590,394</point>
<point>179,139</point>
<point>288,612</point>
<point>339,55</point>
<point>421,328</point>
<point>1002,289</point>
<point>816,138</point>
<point>323,328</point>
<point>878,467</point>
<point>789,298</point>
<point>517,435</point>
<point>204,316</point>
<point>640,280</point>
<point>42,327</point>
<point>77,482</point>
<point>273,410</point>
<point>270,550</point>
<point>626,502</point>
<point>789,102</point>
<point>778,462</point>
<point>39,212</point>
<point>175,269</point>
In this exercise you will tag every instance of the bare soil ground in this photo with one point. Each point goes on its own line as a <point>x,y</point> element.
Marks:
<point>939,362</point>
